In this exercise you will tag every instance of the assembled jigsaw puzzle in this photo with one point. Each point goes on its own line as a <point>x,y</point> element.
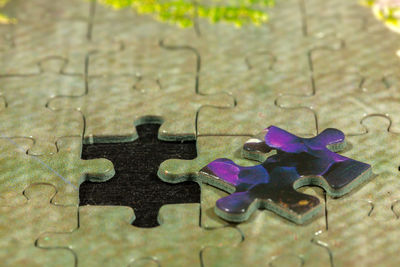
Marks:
<point>293,106</point>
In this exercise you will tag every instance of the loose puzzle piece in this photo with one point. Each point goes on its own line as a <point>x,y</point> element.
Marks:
<point>43,125</point>
<point>178,241</point>
<point>133,101</point>
<point>272,241</point>
<point>36,89</point>
<point>65,170</point>
<point>22,223</point>
<point>271,185</point>
<point>355,238</point>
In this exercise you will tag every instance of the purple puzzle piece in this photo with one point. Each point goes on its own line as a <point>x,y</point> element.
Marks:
<point>272,184</point>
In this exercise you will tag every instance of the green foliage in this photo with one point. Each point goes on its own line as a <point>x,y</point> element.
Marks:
<point>386,11</point>
<point>4,19</point>
<point>367,2</point>
<point>183,12</point>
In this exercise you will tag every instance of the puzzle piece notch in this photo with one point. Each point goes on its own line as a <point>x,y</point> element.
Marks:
<point>168,245</point>
<point>65,170</point>
<point>31,92</point>
<point>262,243</point>
<point>53,64</point>
<point>370,213</point>
<point>268,81</point>
<point>272,185</point>
<point>244,121</point>
<point>380,195</point>
<point>353,233</point>
<point>149,58</point>
<point>37,39</point>
<point>42,125</point>
<point>383,211</point>
<point>130,104</point>
<point>356,100</point>
<point>355,57</point>
<point>378,127</point>
<point>269,240</point>
<point>208,148</point>
<point>26,220</point>
<point>226,55</point>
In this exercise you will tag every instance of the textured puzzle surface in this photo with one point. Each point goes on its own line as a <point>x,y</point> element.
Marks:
<point>214,71</point>
<point>117,243</point>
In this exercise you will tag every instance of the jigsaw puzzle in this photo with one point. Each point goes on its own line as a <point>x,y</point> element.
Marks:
<point>106,225</point>
<point>18,240</point>
<point>81,72</point>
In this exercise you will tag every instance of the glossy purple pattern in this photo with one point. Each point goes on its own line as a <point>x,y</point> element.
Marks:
<point>298,162</point>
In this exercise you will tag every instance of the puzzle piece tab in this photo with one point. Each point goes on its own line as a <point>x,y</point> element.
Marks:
<point>140,51</point>
<point>382,192</point>
<point>244,67</point>
<point>353,237</point>
<point>65,170</point>
<point>133,101</point>
<point>45,29</point>
<point>242,120</point>
<point>341,100</point>
<point>270,241</point>
<point>178,241</point>
<point>208,148</point>
<point>21,224</point>
<point>43,125</point>
<point>36,90</point>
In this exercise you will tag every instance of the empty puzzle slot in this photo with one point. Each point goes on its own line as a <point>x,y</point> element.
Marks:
<point>136,183</point>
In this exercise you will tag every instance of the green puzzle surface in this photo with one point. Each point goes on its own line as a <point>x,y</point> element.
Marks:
<point>214,71</point>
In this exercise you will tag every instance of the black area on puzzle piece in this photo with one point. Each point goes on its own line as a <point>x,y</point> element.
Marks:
<point>136,183</point>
